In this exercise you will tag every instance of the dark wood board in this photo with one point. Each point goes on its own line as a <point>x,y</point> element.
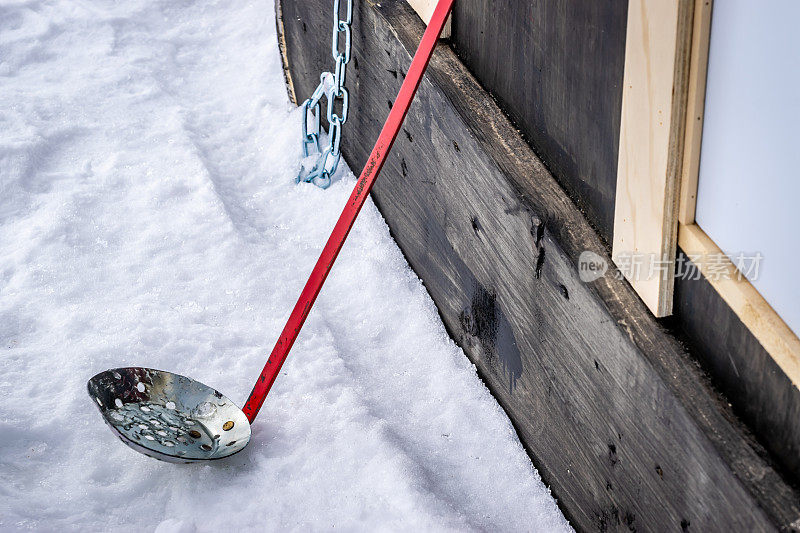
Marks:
<point>617,418</point>
<point>556,69</point>
<point>759,390</point>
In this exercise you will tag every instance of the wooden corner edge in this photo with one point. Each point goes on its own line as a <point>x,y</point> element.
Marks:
<point>757,315</point>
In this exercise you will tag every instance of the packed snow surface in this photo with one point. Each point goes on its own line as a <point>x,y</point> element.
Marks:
<point>149,217</point>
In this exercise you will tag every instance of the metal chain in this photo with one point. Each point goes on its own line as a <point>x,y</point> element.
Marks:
<point>331,85</point>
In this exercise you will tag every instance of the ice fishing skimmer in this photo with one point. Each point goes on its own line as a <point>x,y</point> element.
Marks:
<point>177,419</point>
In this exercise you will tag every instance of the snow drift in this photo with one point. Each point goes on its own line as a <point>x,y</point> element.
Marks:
<point>149,216</point>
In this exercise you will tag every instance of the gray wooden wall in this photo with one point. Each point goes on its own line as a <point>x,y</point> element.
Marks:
<point>556,69</point>
<point>617,417</point>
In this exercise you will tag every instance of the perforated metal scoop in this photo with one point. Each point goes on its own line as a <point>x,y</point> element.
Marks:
<point>177,419</point>
<point>167,416</point>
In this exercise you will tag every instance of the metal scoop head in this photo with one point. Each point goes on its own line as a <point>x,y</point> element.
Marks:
<point>167,416</point>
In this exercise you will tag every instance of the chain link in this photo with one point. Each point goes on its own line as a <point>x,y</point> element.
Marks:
<point>331,85</point>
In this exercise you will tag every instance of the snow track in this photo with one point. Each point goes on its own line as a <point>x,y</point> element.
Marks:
<point>148,216</point>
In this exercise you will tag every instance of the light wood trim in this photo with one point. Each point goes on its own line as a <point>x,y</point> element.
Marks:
<point>698,68</point>
<point>424,9</point>
<point>287,73</point>
<point>756,314</point>
<point>655,86</point>
<point>739,294</point>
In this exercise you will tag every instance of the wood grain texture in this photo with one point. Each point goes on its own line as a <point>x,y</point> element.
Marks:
<point>618,420</point>
<point>556,69</point>
<point>655,85</point>
<point>698,66</point>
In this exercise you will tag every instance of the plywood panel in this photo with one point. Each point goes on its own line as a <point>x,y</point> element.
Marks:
<point>701,33</point>
<point>650,146</point>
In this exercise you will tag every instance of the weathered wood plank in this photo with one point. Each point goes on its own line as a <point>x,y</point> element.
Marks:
<point>556,69</point>
<point>748,347</point>
<point>617,418</point>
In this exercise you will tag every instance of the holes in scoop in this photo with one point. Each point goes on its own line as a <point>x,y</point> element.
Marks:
<point>149,437</point>
<point>231,443</point>
<point>162,433</point>
<point>144,408</point>
<point>140,386</point>
<point>227,426</point>
<point>170,405</point>
<point>118,402</point>
<point>205,447</point>
<point>144,426</point>
<point>169,444</point>
<point>194,434</point>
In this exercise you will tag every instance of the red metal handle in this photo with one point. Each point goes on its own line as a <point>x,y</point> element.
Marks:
<point>351,210</point>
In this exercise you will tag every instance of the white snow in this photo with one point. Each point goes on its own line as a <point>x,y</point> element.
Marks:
<point>148,216</point>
